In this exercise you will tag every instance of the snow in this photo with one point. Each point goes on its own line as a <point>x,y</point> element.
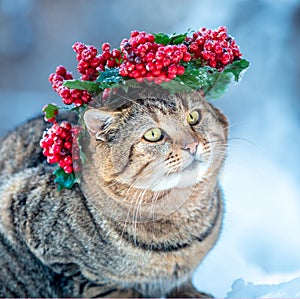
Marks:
<point>289,289</point>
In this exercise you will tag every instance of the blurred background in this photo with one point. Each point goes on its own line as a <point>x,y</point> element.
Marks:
<point>261,235</point>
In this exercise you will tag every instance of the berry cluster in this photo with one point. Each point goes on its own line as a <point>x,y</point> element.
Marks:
<point>90,64</point>
<point>214,47</point>
<point>69,96</point>
<point>144,58</point>
<point>59,146</point>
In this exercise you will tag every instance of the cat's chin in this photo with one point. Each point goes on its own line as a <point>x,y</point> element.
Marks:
<point>190,176</point>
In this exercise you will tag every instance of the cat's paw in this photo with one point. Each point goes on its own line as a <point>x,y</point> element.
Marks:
<point>188,291</point>
<point>97,291</point>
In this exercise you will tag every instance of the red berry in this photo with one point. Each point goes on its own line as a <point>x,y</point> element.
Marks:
<point>159,65</point>
<point>66,125</point>
<point>68,101</point>
<point>150,38</point>
<point>86,55</point>
<point>205,55</point>
<point>68,169</point>
<point>156,73</point>
<point>105,47</point>
<point>141,39</point>
<point>150,56</point>
<point>200,40</point>
<point>68,160</point>
<point>110,63</point>
<point>115,53</point>
<point>61,70</point>
<point>186,57</point>
<point>68,145</point>
<point>172,69</point>
<point>75,93</point>
<point>194,47</point>
<point>134,33</point>
<point>95,62</point>
<point>93,50</point>
<point>78,102</point>
<point>68,76</point>
<point>106,55</point>
<point>180,70</point>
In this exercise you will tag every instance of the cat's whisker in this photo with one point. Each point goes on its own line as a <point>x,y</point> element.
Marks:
<point>135,213</point>
<point>130,207</point>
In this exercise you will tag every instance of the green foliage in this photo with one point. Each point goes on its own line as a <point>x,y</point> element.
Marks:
<point>173,39</point>
<point>90,86</point>
<point>64,180</point>
<point>212,82</point>
<point>50,111</point>
<point>237,68</point>
<point>109,77</point>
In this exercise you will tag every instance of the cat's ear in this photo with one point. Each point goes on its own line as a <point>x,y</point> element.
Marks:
<point>95,121</point>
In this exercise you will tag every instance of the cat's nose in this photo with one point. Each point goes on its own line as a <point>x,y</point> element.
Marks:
<point>191,146</point>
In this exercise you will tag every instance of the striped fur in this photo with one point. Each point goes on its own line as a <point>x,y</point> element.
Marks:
<point>66,244</point>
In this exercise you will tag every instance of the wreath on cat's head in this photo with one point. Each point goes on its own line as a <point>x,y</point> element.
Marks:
<point>205,60</point>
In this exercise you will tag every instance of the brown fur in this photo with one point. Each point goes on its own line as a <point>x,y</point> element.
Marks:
<point>110,237</point>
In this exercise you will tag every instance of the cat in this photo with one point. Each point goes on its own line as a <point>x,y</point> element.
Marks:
<point>146,212</point>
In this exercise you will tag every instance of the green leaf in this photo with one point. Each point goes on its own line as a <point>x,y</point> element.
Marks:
<point>220,81</point>
<point>195,76</point>
<point>109,78</point>
<point>161,38</point>
<point>212,82</point>
<point>173,39</point>
<point>177,39</point>
<point>64,180</point>
<point>50,111</point>
<point>90,86</point>
<point>217,84</point>
<point>237,68</point>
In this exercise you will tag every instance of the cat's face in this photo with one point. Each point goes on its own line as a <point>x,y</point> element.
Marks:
<point>159,144</point>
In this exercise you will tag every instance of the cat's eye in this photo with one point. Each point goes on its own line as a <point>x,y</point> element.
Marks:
<point>193,117</point>
<point>153,135</point>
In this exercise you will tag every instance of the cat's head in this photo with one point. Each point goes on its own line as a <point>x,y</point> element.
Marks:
<point>173,141</point>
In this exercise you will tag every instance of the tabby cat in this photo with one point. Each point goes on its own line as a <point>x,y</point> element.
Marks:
<point>147,210</point>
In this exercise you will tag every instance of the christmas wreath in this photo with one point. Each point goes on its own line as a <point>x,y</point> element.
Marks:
<point>205,60</point>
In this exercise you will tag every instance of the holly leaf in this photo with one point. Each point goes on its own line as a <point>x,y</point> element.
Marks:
<point>50,110</point>
<point>161,38</point>
<point>177,39</point>
<point>195,75</point>
<point>173,39</point>
<point>220,81</point>
<point>90,86</point>
<point>63,179</point>
<point>110,76</point>
<point>217,84</point>
<point>212,82</point>
<point>237,68</point>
